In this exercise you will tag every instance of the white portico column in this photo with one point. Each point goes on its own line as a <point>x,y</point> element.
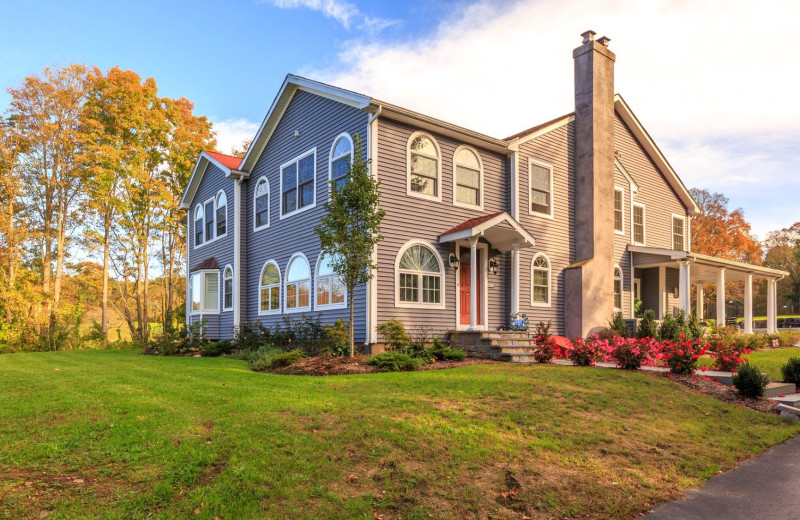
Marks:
<point>473,282</point>
<point>685,287</point>
<point>515,279</point>
<point>700,302</point>
<point>721,298</point>
<point>772,307</point>
<point>748,303</point>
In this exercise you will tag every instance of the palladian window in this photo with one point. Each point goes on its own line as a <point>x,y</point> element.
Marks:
<point>298,284</point>
<point>420,276</point>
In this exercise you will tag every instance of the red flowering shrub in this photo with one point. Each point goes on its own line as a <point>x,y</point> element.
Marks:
<point>546,347</point>
<point>681,356</point>
<point>727,358</point>
<point>583,352</point>
<point>632,353</point>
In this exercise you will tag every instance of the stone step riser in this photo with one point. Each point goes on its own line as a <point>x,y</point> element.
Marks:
<point>508,342</point>
<point>776,389</point>
<point>513,350</point>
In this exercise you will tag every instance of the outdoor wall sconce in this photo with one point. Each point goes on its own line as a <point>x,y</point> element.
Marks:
<point>493,266</point>
<point>453,261</point>
<point>675,292</point>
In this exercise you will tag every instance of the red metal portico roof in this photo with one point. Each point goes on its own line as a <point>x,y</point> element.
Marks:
<point>208,263</point>
<point>471,223</point>
<point>228,160</point>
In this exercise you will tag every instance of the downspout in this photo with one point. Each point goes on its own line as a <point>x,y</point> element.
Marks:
<point>371,311</point>
<point>237,252</point>
<point>188,274</point>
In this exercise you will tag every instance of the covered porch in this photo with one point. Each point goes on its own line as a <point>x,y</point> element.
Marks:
<point>686,269</point>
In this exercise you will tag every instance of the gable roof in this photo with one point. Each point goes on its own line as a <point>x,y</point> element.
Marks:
<point>227,163</point>
<point>534,129</point>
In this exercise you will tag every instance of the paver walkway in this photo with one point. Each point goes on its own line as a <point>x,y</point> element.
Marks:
<point>762,488</point>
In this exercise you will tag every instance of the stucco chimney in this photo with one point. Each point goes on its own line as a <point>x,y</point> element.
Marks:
<point>590,278</point>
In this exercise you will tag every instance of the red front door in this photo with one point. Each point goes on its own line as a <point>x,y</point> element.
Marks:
<point>465,282</point>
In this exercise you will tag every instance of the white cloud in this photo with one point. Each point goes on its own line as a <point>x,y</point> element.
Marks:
<point>340,10</point>
<point>232,132</point>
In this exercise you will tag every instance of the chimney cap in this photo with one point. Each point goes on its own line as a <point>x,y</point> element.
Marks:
<point>588,36</point>
<point>603,40</point>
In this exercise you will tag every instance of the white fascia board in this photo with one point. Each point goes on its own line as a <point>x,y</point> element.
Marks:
<point>199,170</point>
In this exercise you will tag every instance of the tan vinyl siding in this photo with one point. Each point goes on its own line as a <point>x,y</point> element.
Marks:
<point>554,236</point>
<point>409,218</point>
<point>622,257</point>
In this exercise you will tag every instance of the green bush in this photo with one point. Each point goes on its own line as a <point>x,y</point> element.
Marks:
<point>442,352</point>
<point>750,381</point>
<point>791,371</point>
<point>260,359</point>
<point>336,338</point>
<point>252,336</point>
<point>393,362</point>
<point>695,328</point>
<point>618,325</point>
<point>647,328</point>
<point>217,348</point>
<point>673,326</point>
<point>284,359</point>
<point>787,338</point>
<point>394,334</point>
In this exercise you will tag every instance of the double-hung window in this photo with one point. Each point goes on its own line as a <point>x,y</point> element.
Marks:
<point>222,213</point>
<point>261,207</point>
<point>269,296</point>
<point>678,232</point>
<point>298,184</point>
<point>540,281</point>
<point>424,167</point>
<point>330,289</point>
<point>619,211</point>
<point>198,225</point>
<point>209,213</point>
<point>468,181</point>
<point>341,156</point>
<point>227,289</point>
<point>638,224</point>
<point>298,284</point>
<point>540,177</point>
<point>205,292</point>
<point>617,289</point>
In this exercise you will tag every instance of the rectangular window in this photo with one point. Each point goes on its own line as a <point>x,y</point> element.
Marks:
<point>228,303</point>
<point>468,186</point>
<point>617,294</point>
<point>197,292</point>
<point>198,232</point>
<point>619,209</point>
<point>424,175</point>
<point>221,220</point>
<point>205,292</point>
<point>298,184</point>
<point>540,286</point>
<point>678,233</point>
<point>541,184</point>
<point>340,168</point>
<point>209,213</point>
<point>409,287</point>
<point>638,224</point>
<point>431,289</point>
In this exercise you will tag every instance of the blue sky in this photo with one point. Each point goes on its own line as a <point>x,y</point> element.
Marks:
<point>712,81</point>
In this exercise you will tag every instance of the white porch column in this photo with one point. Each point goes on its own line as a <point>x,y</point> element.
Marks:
<point>473,281</point>
<point>515,279</point>
<point>772,307</point>
<point>721,298</point>
<point>748,304</point>
<point>685,288</point>
<point>700,302</point>
<point>662,292</point>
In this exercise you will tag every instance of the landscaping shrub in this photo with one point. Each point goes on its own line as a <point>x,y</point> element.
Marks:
<point>754,341</point>
<point>251,336</point>
<point>393,362</point>
<point>647,328</point>
<point>546,348</point>
<point>442,352</point>
<point>791,371</point>
<point>336,338</point>
<point>284,359</point>
<point>618,325</point>
<point>583,352</point>
<point>727,358</point>
<point>260,359</point>
<point>787,338</point>
<point>394,334</point>
<point>681,356</point>
<point>217,348</point>
<point>695,328</point>
<point>750,381</point>
<point>606,334</point>
<point>674,328</point>
<point>632,353</point>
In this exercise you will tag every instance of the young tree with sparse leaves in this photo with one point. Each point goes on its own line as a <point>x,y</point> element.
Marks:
<point>350,229</point>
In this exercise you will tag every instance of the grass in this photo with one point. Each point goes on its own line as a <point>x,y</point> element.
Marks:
<point>768,360</point>
<point>120,435</point>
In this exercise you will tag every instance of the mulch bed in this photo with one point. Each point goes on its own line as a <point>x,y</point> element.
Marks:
<point>336,366</point>
<point>715,389</point>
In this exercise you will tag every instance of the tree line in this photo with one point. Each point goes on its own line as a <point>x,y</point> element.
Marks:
<point>92,165</point>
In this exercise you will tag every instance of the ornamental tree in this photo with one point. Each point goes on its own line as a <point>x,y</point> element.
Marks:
<point>350,229</point>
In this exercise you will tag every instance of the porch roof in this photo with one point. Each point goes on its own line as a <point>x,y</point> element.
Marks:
<point>704,267</point>
<point>499,229</point>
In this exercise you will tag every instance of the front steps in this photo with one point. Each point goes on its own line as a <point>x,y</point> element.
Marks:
<point>510,346</point>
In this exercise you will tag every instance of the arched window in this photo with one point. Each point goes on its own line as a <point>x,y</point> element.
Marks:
<point>617,288</point>
<point>467,178</point>
<point>540,281</point>
<point>261,206</point>
<point>269,294</point>
<point>330,289</point>
<point>221,204</point>
<point>341,156</point>
<point>424,167</point>
<point>227,288</point>
<point>419,272</point>
<point>298,284</point>
<point>198,225</point>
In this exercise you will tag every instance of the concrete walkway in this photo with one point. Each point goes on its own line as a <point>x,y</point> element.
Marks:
<point>766,487</point>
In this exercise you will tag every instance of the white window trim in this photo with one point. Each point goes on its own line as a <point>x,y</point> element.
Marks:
<point>222,288</point>
<point>310,305</point>
<point>644,224</point>
<point>552,202</point>
<point>418,305</point>
<point>456,202</point>
<point>672,230</point>
<point>203,273</point>
<point>616,231</point>
<point>227,220</point>
<point>319,306</point>
<point>269,203</point>
<point>409,191</point>
<point>280,289</point>
<point>297,159</point>
<point>331,158</point>
<point>549,302</point>
<point>621,287</point>
<point>199,207</point>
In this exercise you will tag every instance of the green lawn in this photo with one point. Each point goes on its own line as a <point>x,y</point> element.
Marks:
<point>151,437</point>
<point>769,361</point>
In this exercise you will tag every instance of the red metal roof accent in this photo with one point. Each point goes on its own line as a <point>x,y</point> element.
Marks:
<point>471,223</point>
<point>538,127</point>
<point>208,263</point>
<point>228,160</point>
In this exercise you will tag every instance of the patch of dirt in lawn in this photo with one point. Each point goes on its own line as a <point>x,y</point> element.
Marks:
<point>729,394</point>
<point>331,366</point>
